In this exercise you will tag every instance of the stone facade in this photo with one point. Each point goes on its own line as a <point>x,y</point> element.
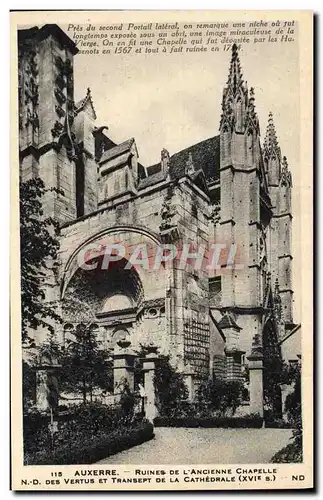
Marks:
<point>227,189</point>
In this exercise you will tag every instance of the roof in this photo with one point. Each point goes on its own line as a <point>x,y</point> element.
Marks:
<point>117,150</point>
<point>152,179</point>
<point>205,156</point>
<point>289,333</point>
<point>227,321</point>
<point>153,169</point>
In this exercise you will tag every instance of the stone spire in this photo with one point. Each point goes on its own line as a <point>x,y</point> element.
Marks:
<point>238,105</point>
<point>271,146</point>
<point>235,80</point>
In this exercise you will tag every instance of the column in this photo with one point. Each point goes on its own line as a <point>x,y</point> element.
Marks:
<point>150,398</point>
<point>189,381</point>
<point>123,367</point>
<point>256,378</point>
<point>233,363</point>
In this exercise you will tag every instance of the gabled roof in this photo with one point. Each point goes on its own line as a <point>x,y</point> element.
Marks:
<point>206,159</point>
<point>154,169</point>
<point>80,105</point>
<point>227,321</point>
<point>117,150</point>
<point>152,179</point>
<point>205,155</point>
<point>217,325</point>
<point>289,333</point>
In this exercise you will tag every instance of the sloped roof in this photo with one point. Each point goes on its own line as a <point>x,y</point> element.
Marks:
<point>152,179</point>
<point>205,156</point>
<point>117,150</point>
<point>227,321</point>
<point>153,169</point>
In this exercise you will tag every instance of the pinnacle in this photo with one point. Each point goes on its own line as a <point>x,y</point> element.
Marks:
<point>234,50</point>
<point>235,74</point>
<point>286,176</point>
<point>271,142</point>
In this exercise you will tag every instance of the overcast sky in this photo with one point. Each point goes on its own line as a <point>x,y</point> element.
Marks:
<point>173,101</point>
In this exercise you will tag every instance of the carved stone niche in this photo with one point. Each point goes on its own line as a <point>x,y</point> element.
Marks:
<point>59,111</point>
<point>61,98</point>
<point>60,81</point>
<point>57,129</point>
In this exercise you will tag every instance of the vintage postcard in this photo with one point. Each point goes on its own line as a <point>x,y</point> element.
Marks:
<point>161,251</point>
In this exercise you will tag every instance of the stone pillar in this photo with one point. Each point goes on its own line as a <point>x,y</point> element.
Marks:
<point>150,398</point>
<point>233,363</point>
<point>189,381</point>
<point>256,378</point>
<point>123,367</point>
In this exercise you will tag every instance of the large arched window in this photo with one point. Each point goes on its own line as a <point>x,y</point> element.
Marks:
<point>117,302</point>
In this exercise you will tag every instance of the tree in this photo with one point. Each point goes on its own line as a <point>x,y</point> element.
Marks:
<point>38,254</point>
<point>84,365</point>
<point>171,390</point>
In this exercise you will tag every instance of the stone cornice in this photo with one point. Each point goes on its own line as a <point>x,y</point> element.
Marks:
<point>40,34</point>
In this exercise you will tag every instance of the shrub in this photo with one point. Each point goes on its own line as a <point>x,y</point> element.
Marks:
<point>81,423</point>
<point>87,450</point>
<point>276,422</point>
<point>171,390</point>
<point>248,421</point>
<point>219,396</point>
<point>36,433</point>
<point>293,452</point>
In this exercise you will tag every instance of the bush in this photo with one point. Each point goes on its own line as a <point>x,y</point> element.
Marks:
<point>171,390</point>
<point>36,433</point>
<point>253,421</point>
<point>90,450</point>
<point>81,424</point>
<point>272,422</point>
<point>293,452</point>
<point>218,396</point>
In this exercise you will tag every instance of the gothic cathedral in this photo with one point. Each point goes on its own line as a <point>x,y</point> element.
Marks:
<point>229,188</point>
